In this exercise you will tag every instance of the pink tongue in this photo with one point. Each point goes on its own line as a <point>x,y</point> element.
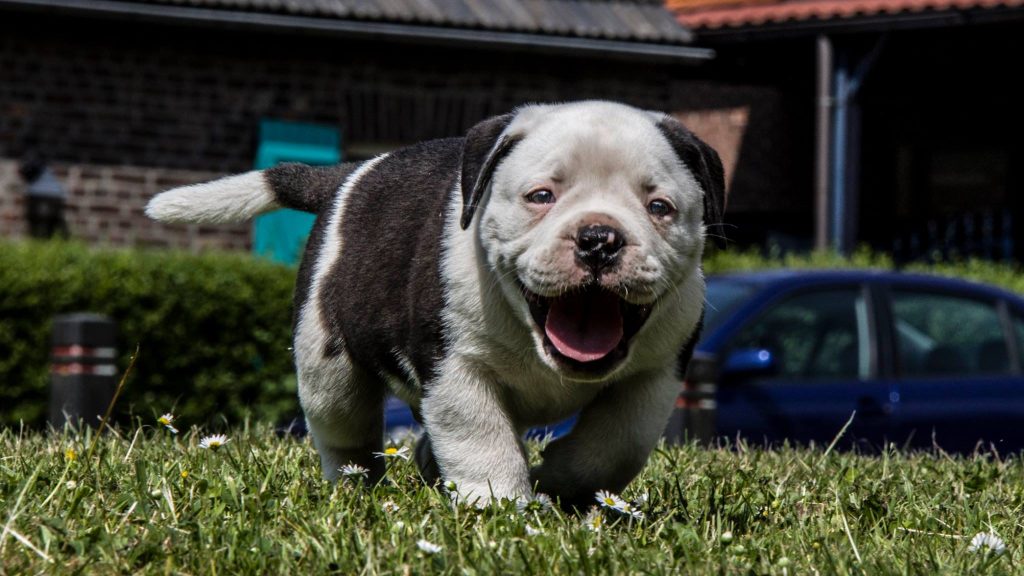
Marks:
<point>585,327</point>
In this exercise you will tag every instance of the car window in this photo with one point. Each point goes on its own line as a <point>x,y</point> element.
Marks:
<point>946,335</point>
<point>821,334</point>
<point>1018,329</point>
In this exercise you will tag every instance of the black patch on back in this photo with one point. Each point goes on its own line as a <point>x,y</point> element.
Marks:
<point>385,291</point>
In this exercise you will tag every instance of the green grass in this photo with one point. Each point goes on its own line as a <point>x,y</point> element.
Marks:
<point>147,501</point>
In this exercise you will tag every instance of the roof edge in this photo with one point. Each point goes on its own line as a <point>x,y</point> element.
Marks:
<point>357,29</point>
<point>865,23</point>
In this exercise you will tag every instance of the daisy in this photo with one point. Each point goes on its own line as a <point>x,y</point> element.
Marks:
<point>987,542</point>
<point>390,507</point>
<point>428,547</point>
<point>538,503</point>
<point>613,501</point>
<point>394,452</point>
<point>594,520</point>
<point>354,471</point>
<point>70,455</point>
<point>213,442</point>
<point>167,421</point>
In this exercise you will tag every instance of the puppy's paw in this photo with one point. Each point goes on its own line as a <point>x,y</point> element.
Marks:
<point>483,495</point>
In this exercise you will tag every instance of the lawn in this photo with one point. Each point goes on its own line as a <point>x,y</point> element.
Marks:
<point>147,500</point>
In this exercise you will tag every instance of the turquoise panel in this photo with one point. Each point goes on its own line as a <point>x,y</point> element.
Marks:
<point>281,235</point>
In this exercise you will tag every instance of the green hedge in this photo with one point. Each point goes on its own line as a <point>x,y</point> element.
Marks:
<point>213,330</point>
<point>1008,276</point>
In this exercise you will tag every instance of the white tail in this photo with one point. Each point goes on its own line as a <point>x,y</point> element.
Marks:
<point>231,199</point>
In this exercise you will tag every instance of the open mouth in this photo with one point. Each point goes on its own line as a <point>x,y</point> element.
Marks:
<point>587,330</point>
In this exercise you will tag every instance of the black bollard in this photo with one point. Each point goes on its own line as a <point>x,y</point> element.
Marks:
<point>696,407</point>
<point>83,373</point>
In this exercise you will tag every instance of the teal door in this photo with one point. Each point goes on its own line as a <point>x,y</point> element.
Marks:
<point>281,235</point>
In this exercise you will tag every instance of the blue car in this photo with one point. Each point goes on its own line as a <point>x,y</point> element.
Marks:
<point>918,360</point>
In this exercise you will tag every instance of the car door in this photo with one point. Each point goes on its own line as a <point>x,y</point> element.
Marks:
<point>819,370</point>
<point>957,372</point>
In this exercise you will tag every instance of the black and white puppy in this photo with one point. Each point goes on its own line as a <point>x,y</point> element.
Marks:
<point>546,263</point>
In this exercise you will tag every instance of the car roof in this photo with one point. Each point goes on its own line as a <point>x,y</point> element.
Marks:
<point>788,278</point>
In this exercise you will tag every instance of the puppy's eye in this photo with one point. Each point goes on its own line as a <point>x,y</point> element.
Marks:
<point>660,208</point>
<point>541,196</point>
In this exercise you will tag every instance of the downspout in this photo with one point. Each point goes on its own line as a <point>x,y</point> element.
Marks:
<point>839,195</point>
<point>823,143</point>
<point>845,141</point>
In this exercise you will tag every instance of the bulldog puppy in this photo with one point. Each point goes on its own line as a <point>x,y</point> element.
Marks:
<point>545,264</point>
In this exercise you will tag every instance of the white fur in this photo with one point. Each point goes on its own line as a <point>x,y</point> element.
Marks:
<point>230,199</point>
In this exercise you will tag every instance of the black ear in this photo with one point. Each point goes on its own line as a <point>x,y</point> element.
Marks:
<point>481,154</point>
<point>707,168</point>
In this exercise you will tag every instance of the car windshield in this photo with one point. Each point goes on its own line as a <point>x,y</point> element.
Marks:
<point>723,295</point>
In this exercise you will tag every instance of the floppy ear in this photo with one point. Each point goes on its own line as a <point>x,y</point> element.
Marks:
<point>481,153</point>
<point>706,166</point>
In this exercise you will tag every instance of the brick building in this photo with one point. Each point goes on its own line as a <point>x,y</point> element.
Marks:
<point>125,98</point>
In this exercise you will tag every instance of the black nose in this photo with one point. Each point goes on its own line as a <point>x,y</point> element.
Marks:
<point>597,247</point>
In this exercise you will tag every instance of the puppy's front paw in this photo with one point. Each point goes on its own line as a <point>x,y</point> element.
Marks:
<point>483,495</point>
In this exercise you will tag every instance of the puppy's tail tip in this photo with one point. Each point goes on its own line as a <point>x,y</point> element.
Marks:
<point>231,199</point>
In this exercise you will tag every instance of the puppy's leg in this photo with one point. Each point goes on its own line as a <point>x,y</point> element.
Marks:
<point>344,408</point>
<point>611,441</point>
<point>473,439</point>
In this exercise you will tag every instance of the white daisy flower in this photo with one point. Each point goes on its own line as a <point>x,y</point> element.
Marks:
<point>428,547</point>
<point>167,421</point>
<point>390,507</point>
<point>213,442</point>
<point>594,520</point>
<point>531,531</point>
<point>354,471</point>
<point>613,501</point>
<point>537,503</point>
<point>987,543</point>
<point>70,485</point>
<point>394,452</point>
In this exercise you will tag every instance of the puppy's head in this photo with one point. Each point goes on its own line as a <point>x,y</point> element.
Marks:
<point>589,214</point>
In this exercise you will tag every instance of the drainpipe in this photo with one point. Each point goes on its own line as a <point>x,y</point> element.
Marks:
<point>840,192</point>
<point>848,76</point>
<point>822,143</point>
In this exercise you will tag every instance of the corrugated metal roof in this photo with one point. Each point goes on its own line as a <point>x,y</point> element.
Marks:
<point>721,14</point>
<point>623,20</point>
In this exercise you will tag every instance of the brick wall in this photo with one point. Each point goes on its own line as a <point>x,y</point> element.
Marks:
<point>12,201</point>
<point>105,206</point>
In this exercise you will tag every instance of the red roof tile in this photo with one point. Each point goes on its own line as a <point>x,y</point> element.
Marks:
<point>712,14</point>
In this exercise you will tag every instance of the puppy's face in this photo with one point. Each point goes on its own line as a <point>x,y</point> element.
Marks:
<point>593,217</point>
